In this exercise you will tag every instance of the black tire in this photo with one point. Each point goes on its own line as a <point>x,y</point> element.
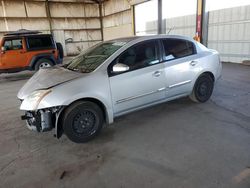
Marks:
<point>82,121</point>
<point>203,89</point>
<point>42,63</point>
<point>60,50</point>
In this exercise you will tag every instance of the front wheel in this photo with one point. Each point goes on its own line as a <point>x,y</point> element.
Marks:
<point>82,121</point>
<point>203,89</point>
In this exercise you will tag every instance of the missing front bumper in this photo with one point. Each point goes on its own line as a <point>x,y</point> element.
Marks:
<point>40,121</point>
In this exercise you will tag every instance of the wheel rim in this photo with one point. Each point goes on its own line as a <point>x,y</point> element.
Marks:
<point>203,89</point>
<point>84,123</point>
<point>44,65</point>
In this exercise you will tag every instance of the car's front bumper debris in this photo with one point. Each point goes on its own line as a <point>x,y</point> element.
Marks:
<point>41,120</point>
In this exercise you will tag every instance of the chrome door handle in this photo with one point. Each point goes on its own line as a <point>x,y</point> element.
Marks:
<point>193,63</point>
<point>157,73</point>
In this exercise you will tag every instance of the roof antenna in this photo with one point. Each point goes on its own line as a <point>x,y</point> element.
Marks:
<point>172,28</point>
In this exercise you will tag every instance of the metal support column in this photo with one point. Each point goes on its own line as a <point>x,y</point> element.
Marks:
<point>159,16</point>
<point>48,15</point>
<point>201,22</point>
<point>101,19</point>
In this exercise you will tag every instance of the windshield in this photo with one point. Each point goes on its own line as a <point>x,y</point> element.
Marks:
<point>89,60</point>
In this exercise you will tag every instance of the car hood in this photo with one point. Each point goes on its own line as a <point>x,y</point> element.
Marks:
<point>47,78</point>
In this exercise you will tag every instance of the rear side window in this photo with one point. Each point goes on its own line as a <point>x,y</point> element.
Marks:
<point>177,48</point>
<point>13,44</point>
<point>41,42</point>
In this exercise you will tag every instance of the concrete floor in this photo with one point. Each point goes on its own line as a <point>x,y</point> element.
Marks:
<point>176,144</point>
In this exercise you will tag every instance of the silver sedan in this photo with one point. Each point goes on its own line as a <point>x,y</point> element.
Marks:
<point>114,78</point>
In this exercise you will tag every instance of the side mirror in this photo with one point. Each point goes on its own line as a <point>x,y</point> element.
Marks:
<point>3,49</point>
<point>119,67</point>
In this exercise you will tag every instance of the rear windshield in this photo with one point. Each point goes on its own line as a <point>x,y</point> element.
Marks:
<point>40,42</point>
<point>89,60</point>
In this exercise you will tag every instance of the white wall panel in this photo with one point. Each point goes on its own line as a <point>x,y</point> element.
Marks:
<point>93,23</point>
<point>79,21</point>
<point>117,20</point>
<point>115,6</point>
<point>2,25</point>
<point>94,35</point>
<point>36,9</point>
<point>118,31</point>
<point>83,35</point>
<point>14,9</point>
<point>59,36</point>
<point>76,48</point>
<point>1,10</point>
<point>229,33</point>
<point>67,10</point>
<point>92,10</point>
<point>75,23</point>
<point>31,24</point>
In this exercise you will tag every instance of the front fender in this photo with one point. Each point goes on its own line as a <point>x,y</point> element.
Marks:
<point>53,100</point>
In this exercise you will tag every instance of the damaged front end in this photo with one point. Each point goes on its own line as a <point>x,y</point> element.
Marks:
<point>43,120</point>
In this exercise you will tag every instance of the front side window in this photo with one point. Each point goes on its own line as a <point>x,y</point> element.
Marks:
<point>40,42</point>
<point>140,55</point>
<point>13,44</point>
<point>177,48</point>
<point>89,60</point>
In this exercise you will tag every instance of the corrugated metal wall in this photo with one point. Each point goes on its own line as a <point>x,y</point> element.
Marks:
<point>75,20</point>
<point>185,25</point>
<point>117,19</point>
<point>79,23</point>
<point>229,33</point>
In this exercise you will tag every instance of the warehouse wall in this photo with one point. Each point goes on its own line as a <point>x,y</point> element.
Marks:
<point>117,19</point>
<point>185,25</point>
<point>229,33</point>
<point>67,19</point>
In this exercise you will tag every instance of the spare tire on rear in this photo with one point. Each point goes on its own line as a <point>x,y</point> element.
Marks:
<point>60,50</point>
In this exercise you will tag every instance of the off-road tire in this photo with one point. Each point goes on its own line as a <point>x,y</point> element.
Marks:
<point>42,61</point>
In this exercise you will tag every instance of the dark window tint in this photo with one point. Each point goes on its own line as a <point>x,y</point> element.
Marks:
<point>176,48</point>
<point>14,44</point>
<point>140,55</point>
<point>40,42</point>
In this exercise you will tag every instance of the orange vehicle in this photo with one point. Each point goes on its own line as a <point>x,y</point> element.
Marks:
<point>28,50</point>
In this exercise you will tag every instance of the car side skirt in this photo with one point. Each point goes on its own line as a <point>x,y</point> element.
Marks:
<point>14,70</point>
<point>150,104</point>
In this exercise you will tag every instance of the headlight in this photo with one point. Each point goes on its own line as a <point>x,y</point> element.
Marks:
<point>33,100</point>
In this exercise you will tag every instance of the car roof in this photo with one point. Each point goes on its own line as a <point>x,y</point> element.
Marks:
<point>24,32</point>
<point>148,37</point>
<point>26,35</point>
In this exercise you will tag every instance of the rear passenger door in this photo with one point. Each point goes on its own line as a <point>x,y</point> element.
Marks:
<point>40,44</point>
<point>181,66</point>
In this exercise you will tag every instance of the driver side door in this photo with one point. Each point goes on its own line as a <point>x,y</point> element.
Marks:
<point>144,82</point>
<point>14,56</point>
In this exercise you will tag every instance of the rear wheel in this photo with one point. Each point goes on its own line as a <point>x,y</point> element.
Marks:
<point>203,89</point>
<point>82,121</point>
<point>60,50</point>
<point>43,63</point>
